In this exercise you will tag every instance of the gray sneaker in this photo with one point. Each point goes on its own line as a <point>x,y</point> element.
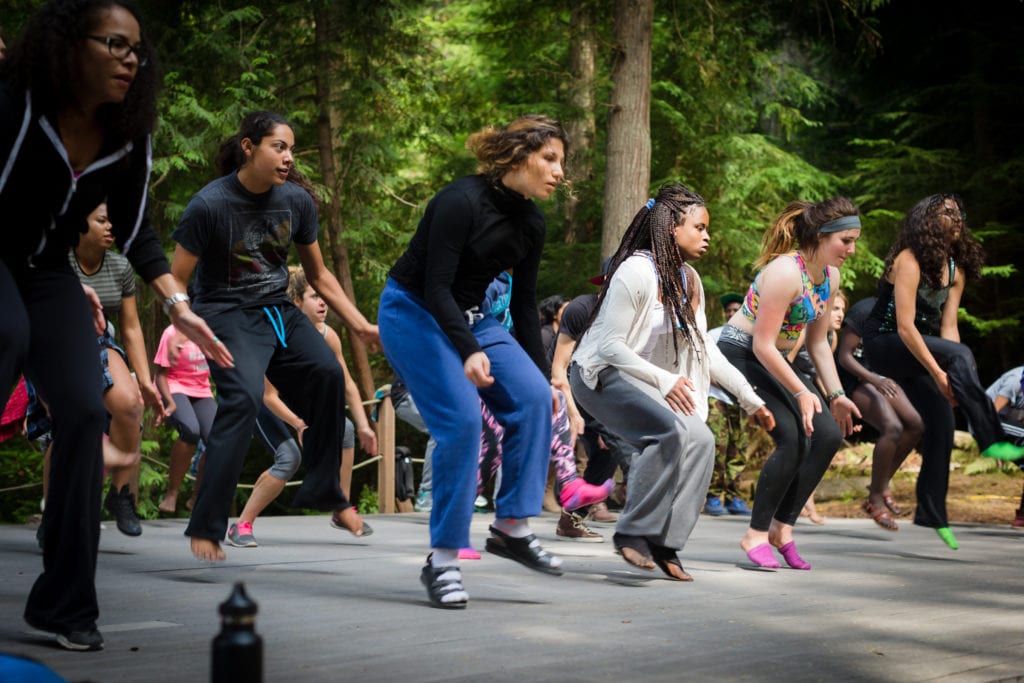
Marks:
<point>424,501</point>
<point>240,536</point>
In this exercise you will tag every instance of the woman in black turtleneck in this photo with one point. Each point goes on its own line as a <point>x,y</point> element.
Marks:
<point>451,354</point>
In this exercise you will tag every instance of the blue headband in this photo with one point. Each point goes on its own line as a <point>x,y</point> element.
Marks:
<point>840,224</point>
<point>650,203</point>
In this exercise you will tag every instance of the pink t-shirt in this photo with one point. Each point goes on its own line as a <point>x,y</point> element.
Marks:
<point>190,375</point>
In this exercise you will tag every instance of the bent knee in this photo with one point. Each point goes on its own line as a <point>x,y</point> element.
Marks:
<point>914,429</point>
<point>124,401</point>
<point>286,462</point>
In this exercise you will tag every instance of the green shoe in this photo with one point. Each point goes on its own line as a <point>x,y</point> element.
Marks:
<point>1004,450</point>
<point>947,537</point>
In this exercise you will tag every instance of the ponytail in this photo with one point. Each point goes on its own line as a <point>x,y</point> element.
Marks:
<point>255,126</point>
<point>799,225</point>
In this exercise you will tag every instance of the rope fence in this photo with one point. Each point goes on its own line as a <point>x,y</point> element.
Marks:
<point>385,459</point>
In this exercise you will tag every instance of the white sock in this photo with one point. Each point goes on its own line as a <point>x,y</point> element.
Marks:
<point>444,557</point>
<point>516,528</point>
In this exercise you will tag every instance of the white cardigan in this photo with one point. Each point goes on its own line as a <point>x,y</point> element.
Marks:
<point>621,330</point>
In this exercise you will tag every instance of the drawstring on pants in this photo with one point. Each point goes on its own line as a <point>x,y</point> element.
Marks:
<point>277,324</point>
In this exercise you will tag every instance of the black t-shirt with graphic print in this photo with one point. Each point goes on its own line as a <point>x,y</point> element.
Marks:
<point>242,240</point>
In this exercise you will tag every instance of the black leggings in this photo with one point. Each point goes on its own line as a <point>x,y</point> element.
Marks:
<point>47,332</point>
<point>888,355</point>
<point>793,470</point>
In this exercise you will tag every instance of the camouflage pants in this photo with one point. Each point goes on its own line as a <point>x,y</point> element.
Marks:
<point>729,425</point>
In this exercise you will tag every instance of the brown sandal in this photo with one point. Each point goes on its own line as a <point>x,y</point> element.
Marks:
<point>893,506</point>
<point>882,517</point>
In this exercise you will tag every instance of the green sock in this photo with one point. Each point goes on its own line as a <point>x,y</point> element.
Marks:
<point>947,537</point>
<point>1004,450</point>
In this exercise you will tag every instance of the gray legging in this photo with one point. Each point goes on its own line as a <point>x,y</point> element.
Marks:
<point>193,417</point>
<point>669,476</point>
<point>407,411</point>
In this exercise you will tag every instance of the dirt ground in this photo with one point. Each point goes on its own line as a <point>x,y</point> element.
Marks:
<point>991,496</point>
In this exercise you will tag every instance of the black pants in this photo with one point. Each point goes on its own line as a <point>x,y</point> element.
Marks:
<point>889,356</point>
<point>310,382</point>
<point>602,462</point>
<point>47,332</point>
<point>793,470</point>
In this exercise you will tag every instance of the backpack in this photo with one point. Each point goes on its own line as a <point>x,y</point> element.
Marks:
<point>405,488</point>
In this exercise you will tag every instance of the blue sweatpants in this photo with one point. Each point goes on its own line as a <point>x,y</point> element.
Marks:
<point>520,398</point>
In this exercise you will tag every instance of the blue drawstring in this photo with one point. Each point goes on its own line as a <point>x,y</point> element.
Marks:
<point>278,324</point>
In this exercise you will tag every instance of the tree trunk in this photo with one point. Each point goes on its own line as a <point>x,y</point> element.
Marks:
<point>581,126</point>
<point>627,175</point>
<point>332,210</point>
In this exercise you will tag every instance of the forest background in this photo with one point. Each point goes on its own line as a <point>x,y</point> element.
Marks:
<point>752,103</point>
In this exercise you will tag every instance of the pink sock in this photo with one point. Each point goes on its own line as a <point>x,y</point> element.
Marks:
<point>578,493</point>
<point>761,555</point>
<point>468,553</point>
<point>792,557</point>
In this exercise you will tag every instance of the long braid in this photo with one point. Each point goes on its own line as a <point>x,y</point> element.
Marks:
<point>651,230</point>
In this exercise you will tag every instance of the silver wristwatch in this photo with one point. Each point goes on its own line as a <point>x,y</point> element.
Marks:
<point>175,298</point>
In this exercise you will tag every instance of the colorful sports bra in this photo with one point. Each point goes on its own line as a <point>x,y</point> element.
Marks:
<point>806,308</point>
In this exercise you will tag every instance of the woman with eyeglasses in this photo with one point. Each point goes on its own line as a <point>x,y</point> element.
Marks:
<point>77,106</point>
<point>911,336</point>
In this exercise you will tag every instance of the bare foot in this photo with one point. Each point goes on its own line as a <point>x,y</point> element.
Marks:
<point>190,503</point>
<point>811,513</point>
<point>676,571</point>
<point>206,550</point>
<point>779,534</point>
<point>636,558</point>
<point>169,504</point>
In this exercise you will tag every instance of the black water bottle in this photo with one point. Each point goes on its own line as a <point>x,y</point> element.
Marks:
<point>237,649</point>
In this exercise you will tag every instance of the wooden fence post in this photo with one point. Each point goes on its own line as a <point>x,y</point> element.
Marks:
<point>386,464</point>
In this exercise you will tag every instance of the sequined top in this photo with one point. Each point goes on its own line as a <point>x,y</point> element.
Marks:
<point>928,313</point>
<point>805,309</point>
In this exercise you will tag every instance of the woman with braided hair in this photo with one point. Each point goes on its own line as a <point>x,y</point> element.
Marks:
<point>911,335</point>
<point>793,291</point>
<point>646,347</point>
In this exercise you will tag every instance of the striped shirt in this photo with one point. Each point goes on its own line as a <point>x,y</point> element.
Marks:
<point>114,281</point>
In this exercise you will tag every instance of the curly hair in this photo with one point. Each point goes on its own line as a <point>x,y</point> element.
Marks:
<point>798,224</point>
<point>297,283</point>
<point>255,126</point>
<point>43,62</point>
<point>651,230</point>
<point>499,150</point>
<point>923,234</point>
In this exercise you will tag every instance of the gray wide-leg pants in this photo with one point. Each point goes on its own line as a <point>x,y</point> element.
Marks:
<point>671,471</point>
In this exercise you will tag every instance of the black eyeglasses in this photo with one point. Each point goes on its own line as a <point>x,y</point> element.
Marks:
<point>119,48</point>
